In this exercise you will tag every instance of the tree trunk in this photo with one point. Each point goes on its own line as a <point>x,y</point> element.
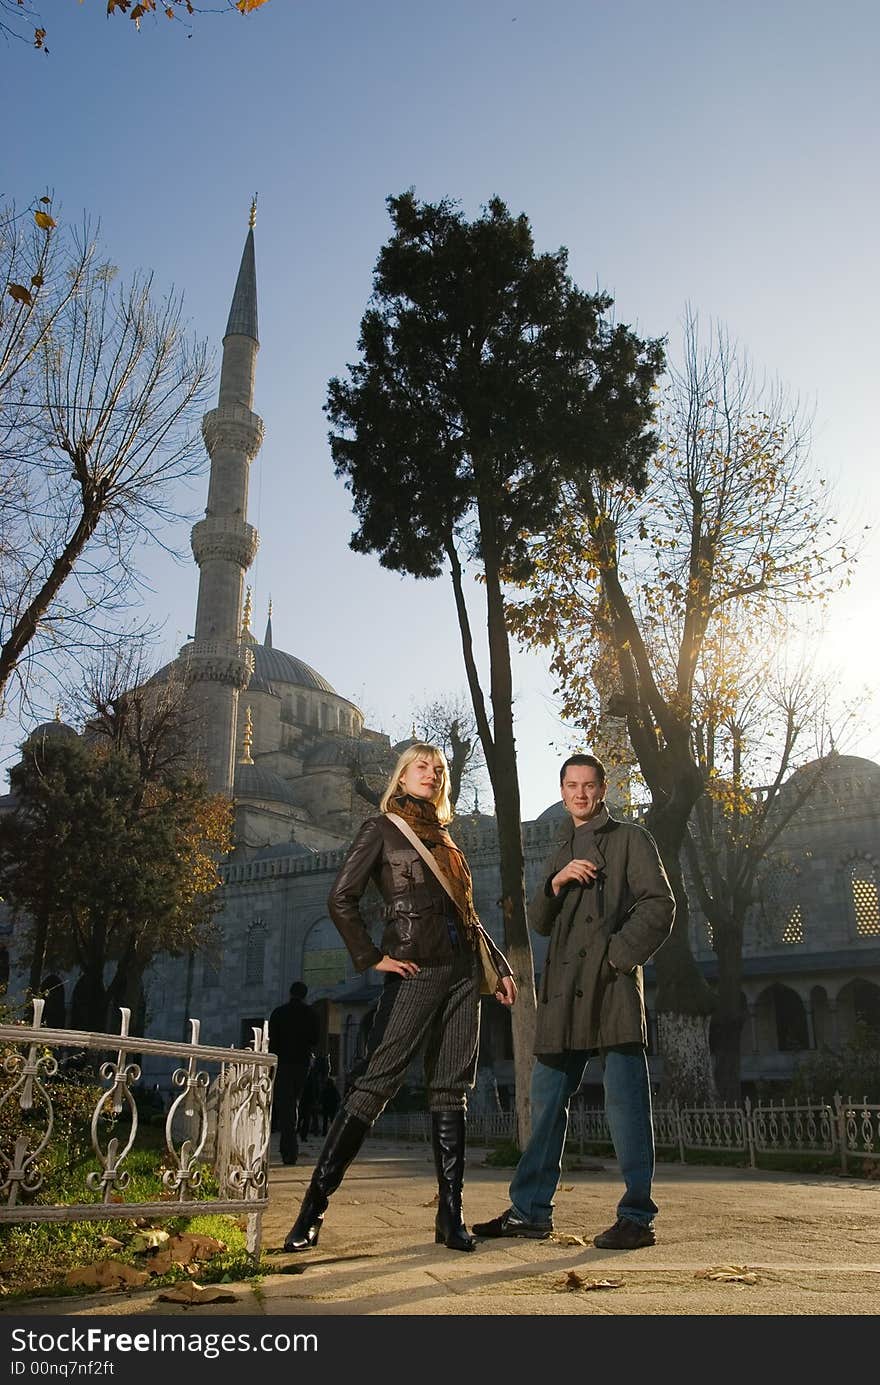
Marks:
<point>728,1017</point>
<point>88,1008</point>
<point>499,749</point>
<point>684,1001</point>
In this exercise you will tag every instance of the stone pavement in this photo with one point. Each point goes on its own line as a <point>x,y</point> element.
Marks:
<point>814,1242</point>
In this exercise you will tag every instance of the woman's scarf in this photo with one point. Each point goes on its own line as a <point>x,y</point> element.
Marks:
<point>421,815</point>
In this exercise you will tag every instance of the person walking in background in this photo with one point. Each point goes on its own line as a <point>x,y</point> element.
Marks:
<point>294,1034</point>
<point>432,985</point>
<point>607,906</point>
<point>330,1101</point>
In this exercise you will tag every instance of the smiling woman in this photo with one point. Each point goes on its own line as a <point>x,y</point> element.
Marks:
<point>432,990</point>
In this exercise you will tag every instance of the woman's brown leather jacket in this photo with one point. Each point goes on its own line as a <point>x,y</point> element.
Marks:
<point>416,905</point>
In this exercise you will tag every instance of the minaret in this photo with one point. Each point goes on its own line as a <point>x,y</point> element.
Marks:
<point>218,662</point>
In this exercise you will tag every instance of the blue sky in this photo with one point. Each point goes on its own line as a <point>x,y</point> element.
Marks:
<point>722,155</point>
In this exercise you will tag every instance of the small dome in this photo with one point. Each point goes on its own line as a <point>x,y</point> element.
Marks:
<point>555,813</point>
<point>252,781</point>
<point>51,730</point>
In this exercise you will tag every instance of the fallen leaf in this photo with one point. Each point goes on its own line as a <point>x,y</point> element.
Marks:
<point>568,1188</point>
<point>574,1281</point>
<point>564,1238</point>
<point>188,1247</point>
<point>107,1274</point>
<point>190,1292</point>
<point>159,1263</point>
<point>729,1274</point>
<point>435,1201</point>
<point>149,1239</point>
<point>110,1242</point>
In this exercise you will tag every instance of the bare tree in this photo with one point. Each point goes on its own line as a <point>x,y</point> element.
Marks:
<point>733,519</point>
<point>756,722</point>
<point>450,723</point>
<point>100,391</point>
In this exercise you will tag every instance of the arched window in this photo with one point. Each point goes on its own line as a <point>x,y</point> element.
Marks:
<point>324,956</point>
<point>255,959</point>
<point>864,899</point>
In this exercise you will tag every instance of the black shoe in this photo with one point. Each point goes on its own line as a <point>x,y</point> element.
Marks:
<point>344,1139</point>
<point>626,1234</point>
<point>509,1224</point>
<point>448,1142</point>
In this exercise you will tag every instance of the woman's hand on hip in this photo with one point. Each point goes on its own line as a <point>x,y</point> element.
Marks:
<point>506,992</point>
<point>392,964</point>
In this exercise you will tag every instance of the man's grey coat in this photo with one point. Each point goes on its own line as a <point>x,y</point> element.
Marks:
<point>583,1003</point>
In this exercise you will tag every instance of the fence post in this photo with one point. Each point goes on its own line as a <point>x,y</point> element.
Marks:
<point>841,1130</point>
<point>750,1132</point>
<point>679,1131</point>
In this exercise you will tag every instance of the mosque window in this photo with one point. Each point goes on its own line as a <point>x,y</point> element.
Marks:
<point>255,957</point>
<point>793,932</point>
<point>864,897</point>
<point>782,915</point>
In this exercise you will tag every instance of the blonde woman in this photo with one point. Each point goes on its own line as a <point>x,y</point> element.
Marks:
<point>431,991</point>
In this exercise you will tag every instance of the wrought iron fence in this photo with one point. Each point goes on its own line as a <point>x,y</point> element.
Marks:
<point>220,1118</point>
<point>841,1133</point>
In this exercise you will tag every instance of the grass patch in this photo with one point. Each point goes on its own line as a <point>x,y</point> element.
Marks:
<point>36,1256</point>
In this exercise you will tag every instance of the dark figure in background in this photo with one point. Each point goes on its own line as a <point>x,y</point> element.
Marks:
<point>310,1102</point>
<point>294,1034</point>
<point>330,1102</point>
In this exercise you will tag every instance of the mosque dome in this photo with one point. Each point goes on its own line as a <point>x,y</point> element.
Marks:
<point>274,666</point>
<point>845,772</point>
<point>51,730</point>
<point>252,781</point>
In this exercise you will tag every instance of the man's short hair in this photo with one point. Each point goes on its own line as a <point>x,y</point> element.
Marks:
<point>299,990</point>
<point>589,760</point>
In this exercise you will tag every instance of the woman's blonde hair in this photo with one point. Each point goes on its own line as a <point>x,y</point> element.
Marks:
<point>440,799</point>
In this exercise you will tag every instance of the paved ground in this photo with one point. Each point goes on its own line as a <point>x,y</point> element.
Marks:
<point>813,1243</point>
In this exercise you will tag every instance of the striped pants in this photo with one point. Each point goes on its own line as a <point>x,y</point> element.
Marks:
<point>438,1007</point>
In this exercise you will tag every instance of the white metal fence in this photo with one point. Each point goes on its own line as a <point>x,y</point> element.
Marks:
<point>845,1133</point>
<point>220,1118</point>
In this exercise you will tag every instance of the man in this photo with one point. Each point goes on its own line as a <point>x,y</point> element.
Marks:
<point>294,1034</point>
<point>607,906</point>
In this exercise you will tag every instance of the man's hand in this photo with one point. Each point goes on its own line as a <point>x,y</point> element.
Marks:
<point>392,964</point>
<point>579,872</point>
<point>506,992</point>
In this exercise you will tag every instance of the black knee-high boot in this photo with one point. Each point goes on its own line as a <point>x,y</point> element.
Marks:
<point>448,1140</point>
<point>344,1139</point>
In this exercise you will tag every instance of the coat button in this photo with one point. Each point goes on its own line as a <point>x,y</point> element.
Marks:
<point>589,918</point>
<point>578,994</point>
<point>583,952</point>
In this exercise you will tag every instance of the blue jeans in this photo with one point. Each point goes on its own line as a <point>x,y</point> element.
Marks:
<point>555,1079</point>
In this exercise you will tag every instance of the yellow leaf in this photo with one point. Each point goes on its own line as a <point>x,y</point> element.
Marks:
<point>245,6</point>
<point>45,221</point>
<point>20,294</point>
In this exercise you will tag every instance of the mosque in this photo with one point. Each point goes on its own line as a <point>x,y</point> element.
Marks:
<point>294,755</point>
